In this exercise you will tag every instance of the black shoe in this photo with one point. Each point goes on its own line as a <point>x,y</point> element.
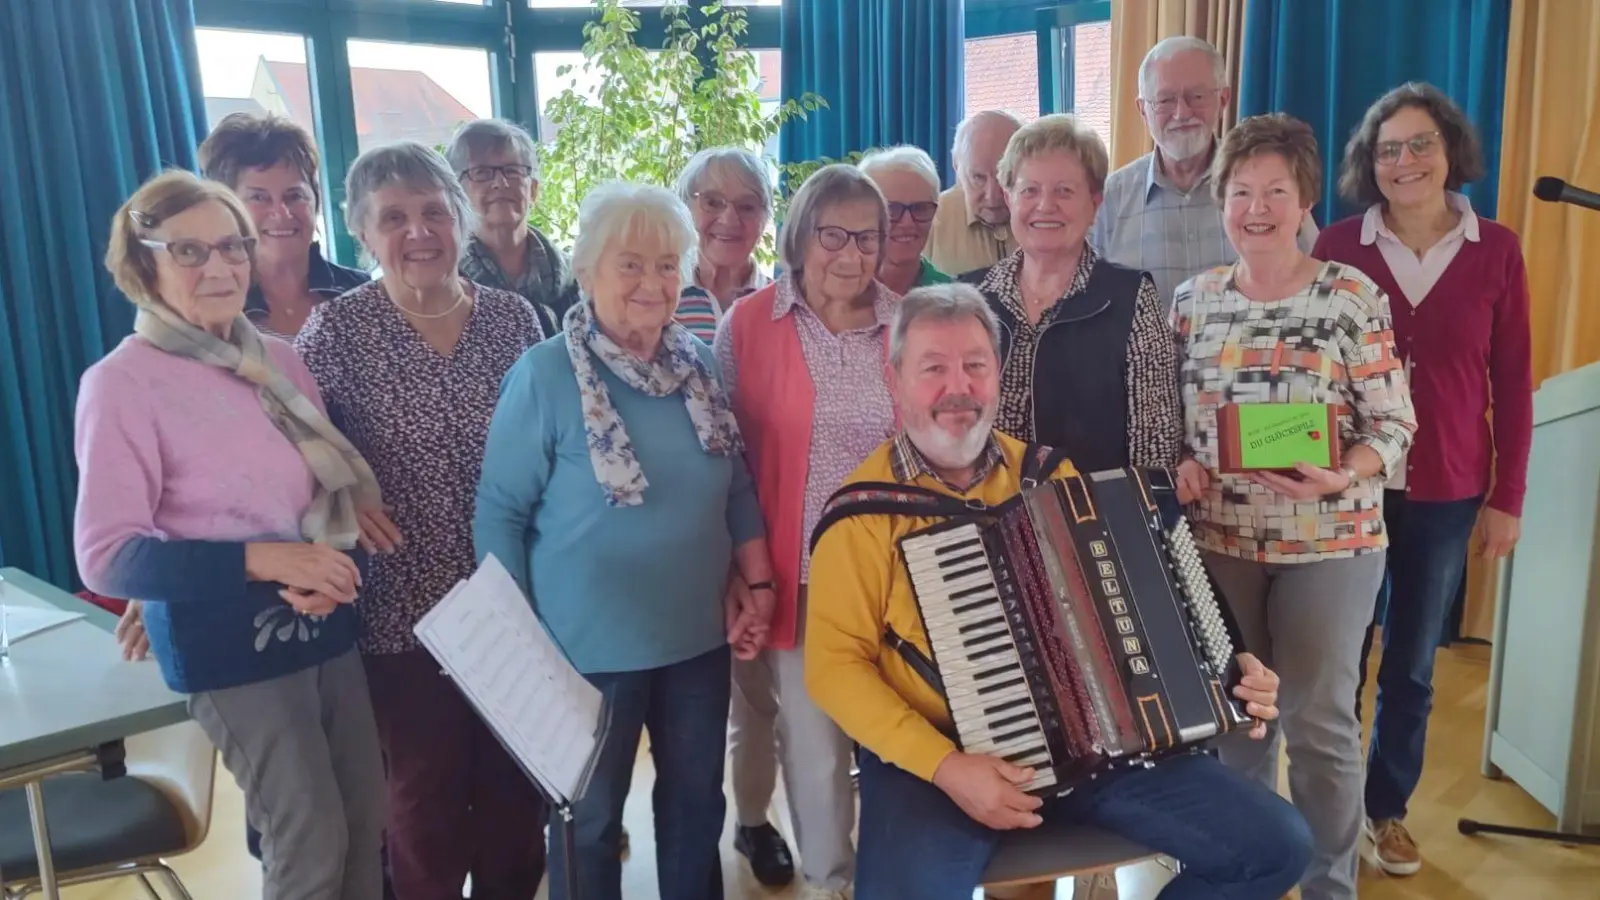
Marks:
<point>768,854</point>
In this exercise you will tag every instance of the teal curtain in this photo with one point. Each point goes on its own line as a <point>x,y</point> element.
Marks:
<point>98,96</point>
<point>1326,61</point>
<point>890,70</point>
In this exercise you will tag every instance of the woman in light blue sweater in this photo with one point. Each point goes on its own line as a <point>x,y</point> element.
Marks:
<point>615,490</point>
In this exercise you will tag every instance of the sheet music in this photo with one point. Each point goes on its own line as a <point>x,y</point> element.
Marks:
<point>488,639</point>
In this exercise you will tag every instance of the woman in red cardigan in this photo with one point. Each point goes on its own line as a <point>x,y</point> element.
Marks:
<point>803,361</point>
<point>1459,295</point>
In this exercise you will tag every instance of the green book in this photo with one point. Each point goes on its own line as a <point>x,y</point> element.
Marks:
<point>1275,436</point>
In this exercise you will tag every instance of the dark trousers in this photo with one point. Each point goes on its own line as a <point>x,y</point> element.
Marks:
<point>1427,559</point>
<point>684,707</point>
<point>458,803</point>
<point>1235,838</point>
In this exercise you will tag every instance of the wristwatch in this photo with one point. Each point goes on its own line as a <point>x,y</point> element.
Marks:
<point>1351,476</point>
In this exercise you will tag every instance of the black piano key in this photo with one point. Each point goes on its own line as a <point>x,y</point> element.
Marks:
<point>996,688</point>
<point>996,672</point>
<point>1008,736</point>
<point>1022,702</point>
<point>1012,720</point>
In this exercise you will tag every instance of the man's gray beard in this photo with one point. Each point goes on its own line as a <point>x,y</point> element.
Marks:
<point>954,453</point>
<point>1176,152</point>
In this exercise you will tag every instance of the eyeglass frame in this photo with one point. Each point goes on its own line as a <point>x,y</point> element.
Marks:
<point>249,244</point>
<point>910,208</point>
<point>1434,140</point>
<point>1167,105</point>
<point>855,236</point>
<point>702,199</point>
<point>523,173</point>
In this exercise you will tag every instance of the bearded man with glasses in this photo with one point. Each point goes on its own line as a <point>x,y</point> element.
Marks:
<point>1158,215</point>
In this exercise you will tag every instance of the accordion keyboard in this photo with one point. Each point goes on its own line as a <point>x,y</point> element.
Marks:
<point>976,651</point>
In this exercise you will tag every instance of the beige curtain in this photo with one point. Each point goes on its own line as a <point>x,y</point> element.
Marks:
<point>1551,127</point>
<point>1136,26</point>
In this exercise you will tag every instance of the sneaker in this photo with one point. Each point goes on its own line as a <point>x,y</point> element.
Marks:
<point>815,892</point>
<point>769,856</point>
<point>1392,848</point>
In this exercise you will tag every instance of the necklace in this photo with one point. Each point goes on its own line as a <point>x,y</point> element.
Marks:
<point>461,297</point>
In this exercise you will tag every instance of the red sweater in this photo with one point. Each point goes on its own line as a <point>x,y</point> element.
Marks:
<point>1469,351</point>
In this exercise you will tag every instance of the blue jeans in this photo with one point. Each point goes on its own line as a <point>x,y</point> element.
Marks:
<point>1235,838</point>
<point>1427,559</point>
<point>684,707</point>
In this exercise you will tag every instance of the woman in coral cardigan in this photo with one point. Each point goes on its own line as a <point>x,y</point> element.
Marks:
<point>803,360</point>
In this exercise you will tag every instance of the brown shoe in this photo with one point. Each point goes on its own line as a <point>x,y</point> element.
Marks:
<point>1393,850</point>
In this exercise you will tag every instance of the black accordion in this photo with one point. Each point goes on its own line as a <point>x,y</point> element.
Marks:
<point>1075,629</point>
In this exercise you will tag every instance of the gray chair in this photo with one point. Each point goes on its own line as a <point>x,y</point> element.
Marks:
<point>1044,855</point>
<point>124,827</point>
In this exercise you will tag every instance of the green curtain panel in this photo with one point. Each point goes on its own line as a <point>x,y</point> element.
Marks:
<point>98,96</point>
<point>890,70</point>
<point>1326,61</point>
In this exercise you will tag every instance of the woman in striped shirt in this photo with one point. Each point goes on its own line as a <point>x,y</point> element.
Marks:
<point>729,191</point>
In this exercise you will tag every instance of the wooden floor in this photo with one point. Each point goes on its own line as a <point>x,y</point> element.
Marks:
<point>1492,868</point>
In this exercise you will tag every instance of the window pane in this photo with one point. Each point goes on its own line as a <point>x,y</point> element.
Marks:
<point>548,85</point>
<point>1091,76</point>
<point>415,91</point>
<point>1003,73</point>
<point>252,71</point>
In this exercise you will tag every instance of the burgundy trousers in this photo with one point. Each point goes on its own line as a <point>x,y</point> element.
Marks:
<point>458,803</point>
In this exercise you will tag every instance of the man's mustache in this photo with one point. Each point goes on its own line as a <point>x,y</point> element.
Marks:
<point>963,403</point>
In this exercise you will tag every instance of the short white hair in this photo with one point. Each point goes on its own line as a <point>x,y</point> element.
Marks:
<point>1173,46</point>
<point>904,158</point>
<point>416,167</point>
<point>480,137</point>
<point>624,212</point>
<point>737,163</point>
<point>964,132</point>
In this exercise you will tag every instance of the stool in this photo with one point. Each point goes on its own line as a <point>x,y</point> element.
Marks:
<point>1043,855</point>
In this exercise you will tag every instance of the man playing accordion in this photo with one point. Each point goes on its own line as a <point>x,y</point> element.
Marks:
<point>930,813</point>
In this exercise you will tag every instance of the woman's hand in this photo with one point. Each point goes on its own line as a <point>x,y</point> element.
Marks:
<point>131,636</point>
<point>309,603</point>
<point>378,532</point>
<point>309,568</point>
<point>1498,532</point>
<point>1193,479</point>
<point>1306,484</point>
<point>1258,688</point>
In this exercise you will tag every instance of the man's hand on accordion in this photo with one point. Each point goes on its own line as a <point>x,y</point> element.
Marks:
<point>989,789</point>
<point>1258,688</point>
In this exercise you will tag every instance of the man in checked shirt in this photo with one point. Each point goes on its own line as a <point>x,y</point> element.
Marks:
<point>1158,214</point>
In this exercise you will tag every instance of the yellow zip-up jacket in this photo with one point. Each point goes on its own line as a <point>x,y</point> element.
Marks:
<point>858,585</point>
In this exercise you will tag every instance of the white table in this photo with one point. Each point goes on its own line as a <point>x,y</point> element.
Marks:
<point>66,697</point>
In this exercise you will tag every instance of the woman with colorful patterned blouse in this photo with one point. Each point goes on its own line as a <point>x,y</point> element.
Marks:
<point>804,363</point>
<point>729,191</point>
<point>1088,362</point>
<point>410,366</point>
<point>1298,555</point>
<point>1469,364</point>
<point>615,491</point>
<point>498,166</point>
<point>910,184</point>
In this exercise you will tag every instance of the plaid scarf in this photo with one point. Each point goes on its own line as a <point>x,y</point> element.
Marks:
<point>345,483</point>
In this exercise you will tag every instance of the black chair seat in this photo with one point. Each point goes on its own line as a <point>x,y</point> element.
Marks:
<point>1057,851</point>
<point>92,822</point>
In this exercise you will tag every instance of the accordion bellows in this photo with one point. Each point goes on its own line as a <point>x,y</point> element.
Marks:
<point>1077,630</point>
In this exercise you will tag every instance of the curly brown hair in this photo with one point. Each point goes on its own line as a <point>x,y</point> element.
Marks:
<point>1277,133</point>
<point>244,141</point>
<point>1358,180</point>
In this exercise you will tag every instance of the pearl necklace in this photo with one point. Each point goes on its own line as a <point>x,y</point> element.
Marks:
<point>461,298</point>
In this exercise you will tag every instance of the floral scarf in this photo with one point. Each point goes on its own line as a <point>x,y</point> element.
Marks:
<point>677,368</point>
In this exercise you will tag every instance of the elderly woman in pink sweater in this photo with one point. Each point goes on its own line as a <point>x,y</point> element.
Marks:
<point>803,361</point>
<point>214,489</point>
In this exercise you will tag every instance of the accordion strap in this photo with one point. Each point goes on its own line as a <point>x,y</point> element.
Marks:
<point>919,664</point>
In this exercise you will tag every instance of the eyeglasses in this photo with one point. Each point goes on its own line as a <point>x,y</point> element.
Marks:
<point>1166,103</point>
<point>483,174</point>
<point>920,212</point>
<point>192,254</point>
<point>832,237</point>
<point>1422,146</point>
<point>714,204</point>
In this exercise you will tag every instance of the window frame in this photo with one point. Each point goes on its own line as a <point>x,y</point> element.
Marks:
<point>507,30</point>
<point>1052,29</point>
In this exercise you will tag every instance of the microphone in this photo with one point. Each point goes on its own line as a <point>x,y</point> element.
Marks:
<point>1554,190</point>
